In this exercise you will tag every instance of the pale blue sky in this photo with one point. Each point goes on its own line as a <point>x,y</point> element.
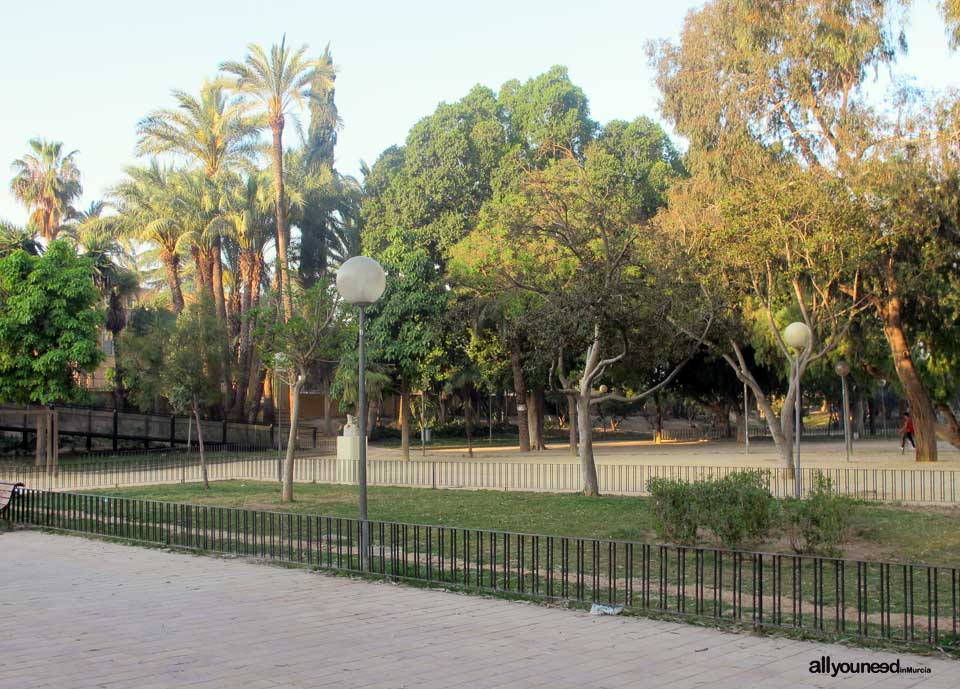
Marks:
<point>83,72</point>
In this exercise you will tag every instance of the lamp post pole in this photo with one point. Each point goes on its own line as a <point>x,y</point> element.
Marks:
<point>799,336</point>
<point>362,423</point>
<point>361,281</point>
<point>796,433</point>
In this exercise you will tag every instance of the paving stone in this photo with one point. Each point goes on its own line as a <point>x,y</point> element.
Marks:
<point>89,613</point>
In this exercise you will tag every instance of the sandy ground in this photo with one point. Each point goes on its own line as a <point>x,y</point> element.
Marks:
<point>867,454</point>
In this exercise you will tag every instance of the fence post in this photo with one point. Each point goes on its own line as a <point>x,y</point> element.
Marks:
<point>173,430</point>
<point>116,425</point>
<point>314,437</point>
<point>433,474</point>
<point>271,435</point>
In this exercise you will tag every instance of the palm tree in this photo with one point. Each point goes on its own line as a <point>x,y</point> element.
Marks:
<point>99,243</point>
<point>277,82</point>
<point>215,131</point>
<point>47,182</point>
<point>249,225</point>
<point>148,203</point>
<point>14,237</point>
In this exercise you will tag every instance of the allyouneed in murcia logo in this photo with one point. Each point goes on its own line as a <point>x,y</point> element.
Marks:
<point>825,665</point>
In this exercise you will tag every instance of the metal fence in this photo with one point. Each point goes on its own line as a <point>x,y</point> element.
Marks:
<point>320,466</point>
<point>916,604</point>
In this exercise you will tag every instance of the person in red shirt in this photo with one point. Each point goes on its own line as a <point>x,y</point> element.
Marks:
<point>906,432</point>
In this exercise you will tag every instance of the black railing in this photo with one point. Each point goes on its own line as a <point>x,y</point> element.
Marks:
<point>829,597</point>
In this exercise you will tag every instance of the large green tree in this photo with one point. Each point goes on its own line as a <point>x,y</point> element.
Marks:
<point>574,236</point>
<point>49,324</point>
<point>792,79</point>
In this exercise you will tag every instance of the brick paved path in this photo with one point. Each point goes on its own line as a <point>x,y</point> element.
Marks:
<point>78,613</point>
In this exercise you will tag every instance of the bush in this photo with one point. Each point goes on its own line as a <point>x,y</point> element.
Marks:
<point>676,510</point>
<point>737,509</point>
<point>820,522</point>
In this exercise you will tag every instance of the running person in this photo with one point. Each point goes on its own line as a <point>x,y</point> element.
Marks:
<point>906,432</point>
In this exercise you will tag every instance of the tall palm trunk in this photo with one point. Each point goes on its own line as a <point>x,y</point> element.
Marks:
<point>216,275</point>
<point>246,272</point>
<point>171,262</point>
<point>283,266</point>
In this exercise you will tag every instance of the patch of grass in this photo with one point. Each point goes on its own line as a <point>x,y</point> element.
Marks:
<point>889,532</point>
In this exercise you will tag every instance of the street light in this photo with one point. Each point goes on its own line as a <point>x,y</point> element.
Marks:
<point>843,370</point>
<point>798,336</point>
<point>361,281</point>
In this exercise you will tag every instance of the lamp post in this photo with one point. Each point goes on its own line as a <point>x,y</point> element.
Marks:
<point>798,336</point>
<point>843,370</point>
<point>361,281</point>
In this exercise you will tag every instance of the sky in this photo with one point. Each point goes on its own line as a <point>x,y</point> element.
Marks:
<point>85,72</point>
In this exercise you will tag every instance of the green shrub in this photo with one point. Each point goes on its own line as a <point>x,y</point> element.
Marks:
<point>677,513</point>
<point>820,522</point>
<point>737,509</point>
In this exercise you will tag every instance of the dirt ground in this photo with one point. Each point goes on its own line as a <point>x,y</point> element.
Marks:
<point>872,454</point>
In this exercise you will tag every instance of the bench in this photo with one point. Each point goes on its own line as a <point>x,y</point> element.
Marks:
<point>7,491</point>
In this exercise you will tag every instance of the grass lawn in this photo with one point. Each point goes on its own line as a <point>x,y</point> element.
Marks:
<point>897,533</point>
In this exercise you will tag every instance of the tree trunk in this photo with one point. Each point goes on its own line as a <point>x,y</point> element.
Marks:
<point>520,390</point>
<point>205,271</point>
<point>858,417</point>
<point>536,442</point>
<point>171,262</point>
<point>404,420</point>
<point>372,406</point>
<point>287,495</point>
<point>216,275</point>
<point>203,459</point>
<point>468,423</point>
<point>255,394</point>
<point>119,394</point>
<point>921,408</point>
<point>587,465</point>
<point>246,271</point>
<point>572,424</point>
<point>283,232</point>
<point>327,408</point>
<point>741,421</point>
<point>269,404</point>
<point>951,430</point>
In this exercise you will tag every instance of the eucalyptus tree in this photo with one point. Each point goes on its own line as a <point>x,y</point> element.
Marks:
<point>793,78</point>
<point>47,182</point>
<point>278,82</point>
